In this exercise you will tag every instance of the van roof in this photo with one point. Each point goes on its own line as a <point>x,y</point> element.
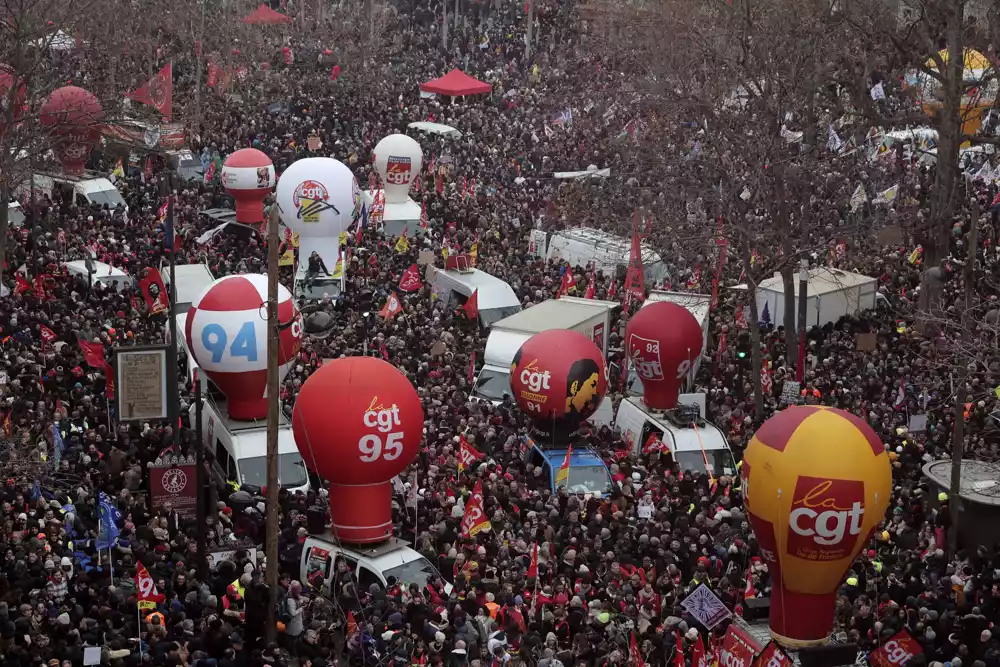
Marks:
<point>235,426</point>
<point>192,280</point>
<point>384,555</point>
<point>698,305</point>
<point>550,314</point>
<point>493,292</point>
<point>95,185</point>
<point>619,246</point>
<point>579,457</point>
<point>252,443</point>
<point>101,270</point>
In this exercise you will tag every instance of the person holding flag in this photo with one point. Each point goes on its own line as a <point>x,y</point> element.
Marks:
<point>562,475</point>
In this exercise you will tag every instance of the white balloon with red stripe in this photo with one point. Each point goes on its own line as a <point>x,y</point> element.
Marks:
<point>226,332</point>
<point>248,175</point>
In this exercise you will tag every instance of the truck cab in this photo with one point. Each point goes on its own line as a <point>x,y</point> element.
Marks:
<point>86,190</point>
<point>695,444</point>
<point>588,474</point>
<point>367,564</point>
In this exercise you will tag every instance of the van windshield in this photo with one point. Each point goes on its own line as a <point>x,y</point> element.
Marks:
<point>110,197</point>
<point>720,461</point>
<point>415,572</point>
<point>291,470</point>
<point>493,385</point>
<point>491,315</point>
<point>588,479</point>
<point>319,288</point>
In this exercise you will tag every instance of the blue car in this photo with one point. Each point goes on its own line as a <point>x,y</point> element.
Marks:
<point>588,473</point>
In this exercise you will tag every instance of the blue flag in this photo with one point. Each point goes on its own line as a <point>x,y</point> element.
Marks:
<point>364,214</point>
<point>108,517</point>
<point>765,317</point>
<point>58,446</point>
<point>168,229</point>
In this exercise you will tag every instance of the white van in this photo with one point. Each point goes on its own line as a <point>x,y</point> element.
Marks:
<point>370,564</point>
<point>15,216</point>
<point>695,443</point>
<point>404,216</point>
<point>496,298</point>
<point>83,191</point>
<point>192,280</point>
<point>102,273</point>
<point>606,252</point>
<point>240,448</point>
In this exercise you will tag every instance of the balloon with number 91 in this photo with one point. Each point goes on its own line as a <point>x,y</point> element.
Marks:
<point>226,333</point>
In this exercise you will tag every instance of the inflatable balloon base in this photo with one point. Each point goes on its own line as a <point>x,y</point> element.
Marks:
<point>361,513</point>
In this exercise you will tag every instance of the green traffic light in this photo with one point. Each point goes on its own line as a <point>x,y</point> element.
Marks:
<point>741,355</point>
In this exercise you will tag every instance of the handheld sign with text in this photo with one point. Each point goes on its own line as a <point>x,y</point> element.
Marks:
<point>738,648</point>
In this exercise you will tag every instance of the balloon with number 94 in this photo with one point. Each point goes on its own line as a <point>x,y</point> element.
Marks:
<point>226,333</point>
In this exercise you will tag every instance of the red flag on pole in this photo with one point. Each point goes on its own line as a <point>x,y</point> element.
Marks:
<point>635,282</point>
<point>153,291</point>
<point>109,379</point>
<point>533,568</point>
<point>474,520</point>
<point>383,350</point>
<point>634,655</point>
<point>467,454</point>
<point>568,282</point>
<point>146,588</point>
<point>48,335</point>
<point>22,285</point>
<point>472,368</point>
<point>699,657</point>
<point>93,354</point>
<point>471,306</point>
<point>410,280</point>
<point>679,652</point>
<point>158,92</point>
<point>391,308</point>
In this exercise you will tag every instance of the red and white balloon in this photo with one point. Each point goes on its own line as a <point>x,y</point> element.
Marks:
<point>248,175</point>
<point>226,332</point>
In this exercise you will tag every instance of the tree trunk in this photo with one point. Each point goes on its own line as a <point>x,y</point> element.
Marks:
<point>946,183</point>
<point>783,223</point>
<point>4,222</point>
<point>756,361</point>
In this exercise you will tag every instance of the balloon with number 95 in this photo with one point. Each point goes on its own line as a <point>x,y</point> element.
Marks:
<point>226,333</point>
<point>358,422</point>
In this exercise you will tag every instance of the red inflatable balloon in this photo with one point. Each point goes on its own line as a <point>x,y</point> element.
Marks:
<point>358,422</point>
<point>248,175</point>
<point>73,117</point>
<point>663,340</point>
<point>8,80</point>
<point>558,378</point>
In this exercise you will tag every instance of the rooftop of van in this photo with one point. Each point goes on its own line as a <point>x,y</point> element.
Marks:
<point>697,304</point>
<point>100,268</point>
<point>251,444</point>
<point>407,210</point>
<point>541,317</point>
<point>192,279</point>
<point>603,240</point>
<point>491,289</point>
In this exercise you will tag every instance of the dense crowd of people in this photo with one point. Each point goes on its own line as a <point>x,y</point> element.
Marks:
<point>603,573</point>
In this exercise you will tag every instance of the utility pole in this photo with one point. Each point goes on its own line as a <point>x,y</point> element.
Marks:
<point>272,425</point>
<point>527,34</point>
<point>803,317</point>
<point>965,347</point>
<point>200,385</point>
<point>173,398</point>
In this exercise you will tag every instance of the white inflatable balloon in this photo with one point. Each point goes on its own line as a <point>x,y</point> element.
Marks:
<point>318,197</point>
<point>398,159</point>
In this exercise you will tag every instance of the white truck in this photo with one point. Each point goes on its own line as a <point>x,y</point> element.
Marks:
<point>696,444</point>
<point>699,305</point>
<point>590,317</point>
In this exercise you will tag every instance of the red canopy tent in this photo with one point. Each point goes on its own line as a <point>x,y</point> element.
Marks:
<point>264,15</point>
<point>456,83</point>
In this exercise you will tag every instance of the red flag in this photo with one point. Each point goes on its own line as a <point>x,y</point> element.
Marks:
<point>410,280</point>
<point>474,520</point>
<point>210,172</point>
<point>93,354</point>
<point>699,657</point>
<point>467,454</point>
<point>146,588</point>
<point>158,91</point>
<point>153,291</point>
<point>352,625</point>
<point>391,308</point>
<point>765,379</point>
<point>472,368</point>
<point>591,284</point>
<point>471,306</point>
<point>679,652</point>
<point>613,290</point>
<point>722,348</point>
<point>635,281</point>
<point>147,172</point>
<point>439,183</point>
<point>335,73</point>
<point>634,655</point>
<point>424,222</point>
<point>568,282</point>
<point>465,187</point>
<point>383,350</point>
<point>372,185</point>
<point>533,568</point>
<point>48,335</point>
<point>39,286</point>
<point>653,444</point>
<point>22,285</point>
<point>213,75</point>
<point>109,379</point>
<point>896,652</point>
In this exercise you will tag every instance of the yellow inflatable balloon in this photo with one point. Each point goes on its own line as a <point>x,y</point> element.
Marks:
<point>816,482</point>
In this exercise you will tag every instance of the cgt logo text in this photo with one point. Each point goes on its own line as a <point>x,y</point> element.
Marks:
<point>827,511</point>
<point>383,418</point>
<point>895,653</point>
<point>730,659</point>
<point>534,379</point>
